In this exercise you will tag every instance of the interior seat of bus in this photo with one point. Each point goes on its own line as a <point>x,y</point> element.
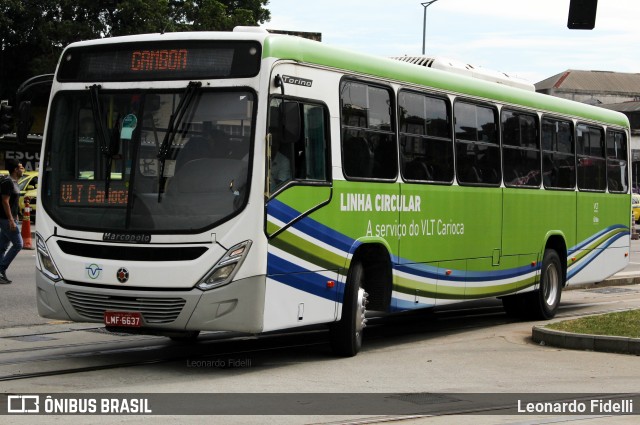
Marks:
<point>358,157</point>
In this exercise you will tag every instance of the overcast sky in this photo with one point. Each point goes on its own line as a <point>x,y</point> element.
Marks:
<point>525,38</point>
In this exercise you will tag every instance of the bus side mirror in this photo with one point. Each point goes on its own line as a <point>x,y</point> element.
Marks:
<point>291,122</point>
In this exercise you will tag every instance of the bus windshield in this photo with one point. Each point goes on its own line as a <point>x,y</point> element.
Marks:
<point>170,161</point>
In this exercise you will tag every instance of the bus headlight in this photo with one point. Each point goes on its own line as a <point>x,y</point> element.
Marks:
<point>45,263</point>
<point>226,268</point>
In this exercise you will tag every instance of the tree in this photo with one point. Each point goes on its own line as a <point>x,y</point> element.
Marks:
<point>33,33</point>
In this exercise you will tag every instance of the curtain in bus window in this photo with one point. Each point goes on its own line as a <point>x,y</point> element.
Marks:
<point>558,160</point>
<point>425,138</point>
<point>592,172</point>
<point>521,150</point>
<point>477,148</point>
<point>369,148</point>
<point>315,143</point>
<point>617,171</point>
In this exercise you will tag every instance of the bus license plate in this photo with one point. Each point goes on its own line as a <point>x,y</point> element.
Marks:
<point>123,318</point>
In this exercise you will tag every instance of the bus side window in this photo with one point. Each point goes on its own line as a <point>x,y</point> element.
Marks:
<point>304,158</point>
<point>477,147</point>
<point>592,172</point>
<point>617,165</point>
<point>520,149</point>
<point>558,159</point>
<point>315,144</point>
<point>369,147</point>
<point>426,146</point>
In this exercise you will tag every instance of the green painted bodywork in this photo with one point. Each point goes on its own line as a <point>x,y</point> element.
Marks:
<point>462,242</point>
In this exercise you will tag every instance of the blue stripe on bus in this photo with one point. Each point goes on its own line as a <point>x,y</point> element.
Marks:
<point>431,272</point>
<point>578,268</point>
<point>298,277</point>
<point>316,230</point>
<point>335,239</point>
<point>594,237</point>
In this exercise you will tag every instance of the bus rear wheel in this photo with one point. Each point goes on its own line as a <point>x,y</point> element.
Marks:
<point>346,335</point>
<point>544,302</point>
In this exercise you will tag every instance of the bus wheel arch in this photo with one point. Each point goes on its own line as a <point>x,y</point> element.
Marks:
<point>368,285</point>
<point>378,274</point>
<point>545,300</point>
<point>557,243</point>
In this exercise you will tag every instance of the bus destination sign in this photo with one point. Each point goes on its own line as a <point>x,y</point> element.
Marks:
<point>91,193</point>
<point>161,60</point>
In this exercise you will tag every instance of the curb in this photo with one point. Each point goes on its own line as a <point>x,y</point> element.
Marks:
<point>573,341</point>
<point>602,343</point>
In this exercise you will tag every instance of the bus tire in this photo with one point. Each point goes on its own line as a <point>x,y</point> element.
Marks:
<point>544,301</point>
<point>346,335</point>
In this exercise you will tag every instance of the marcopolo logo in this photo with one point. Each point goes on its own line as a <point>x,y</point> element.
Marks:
<point>127,237</point>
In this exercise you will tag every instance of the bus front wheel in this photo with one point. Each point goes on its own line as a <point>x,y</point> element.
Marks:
<point>346,335</point>
<point>546,299</point>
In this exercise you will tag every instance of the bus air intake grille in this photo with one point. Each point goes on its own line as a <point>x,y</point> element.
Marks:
<point>153,310</point>
<point>132,253</point>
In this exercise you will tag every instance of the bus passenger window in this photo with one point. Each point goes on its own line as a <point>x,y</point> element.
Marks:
<point>558,159</point>
<point>617,165</point>
<point>426,147</point>
<point>369,147</point>
<point>592,171</point>
<point>520,149</point>
<point>477,148</point>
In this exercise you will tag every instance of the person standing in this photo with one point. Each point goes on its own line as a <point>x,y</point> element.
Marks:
<point>9,231</point>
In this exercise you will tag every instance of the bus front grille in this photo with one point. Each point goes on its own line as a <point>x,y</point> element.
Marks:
<point>153,310</point>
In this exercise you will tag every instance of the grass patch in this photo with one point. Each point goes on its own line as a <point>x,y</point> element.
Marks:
<point>626,323</point>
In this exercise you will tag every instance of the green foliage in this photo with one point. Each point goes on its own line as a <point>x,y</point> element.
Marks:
<point>34,32</point>
<point>626,323</point>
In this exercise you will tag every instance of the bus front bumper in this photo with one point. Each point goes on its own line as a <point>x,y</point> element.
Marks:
<point>238,306</point>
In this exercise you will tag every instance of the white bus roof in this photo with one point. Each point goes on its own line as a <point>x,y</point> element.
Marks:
<point>461,68</point>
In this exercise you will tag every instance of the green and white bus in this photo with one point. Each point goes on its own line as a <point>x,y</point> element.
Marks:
<point>255,182</point>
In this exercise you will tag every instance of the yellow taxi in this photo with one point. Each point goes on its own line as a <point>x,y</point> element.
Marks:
<point>28,186</point>
<point>635,207</point>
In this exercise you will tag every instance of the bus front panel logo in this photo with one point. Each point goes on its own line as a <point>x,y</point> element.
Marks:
<point>122,275</point>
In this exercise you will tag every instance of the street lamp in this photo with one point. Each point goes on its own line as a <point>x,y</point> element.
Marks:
<point>424,22</point>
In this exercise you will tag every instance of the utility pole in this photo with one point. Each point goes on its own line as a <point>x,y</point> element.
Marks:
<point>424,22</point>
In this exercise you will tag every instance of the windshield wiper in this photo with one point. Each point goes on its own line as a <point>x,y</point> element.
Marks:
<point>109,143</point>
<point>174,123</point>
<point>98,121</point>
